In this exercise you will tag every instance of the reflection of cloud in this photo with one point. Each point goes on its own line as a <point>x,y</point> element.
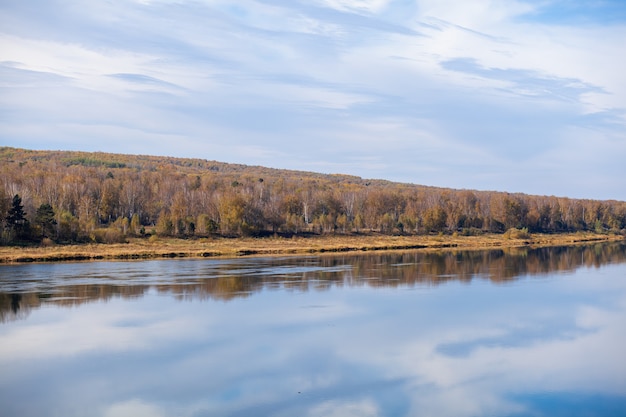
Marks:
<point>133,408</point>
<point>451,350</point>
<point>97,329</point>
<point>480,382</point>
<point>463,401</point>
<point>363,408</point>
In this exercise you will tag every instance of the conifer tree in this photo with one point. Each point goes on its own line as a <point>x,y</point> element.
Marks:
<point>16,219</point>
<point>44,218</point>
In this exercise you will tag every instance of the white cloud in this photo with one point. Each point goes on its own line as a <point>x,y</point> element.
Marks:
<point>370,6</point>
<point>70,60</point>
<point>485,80</point>
<point>476,15</point>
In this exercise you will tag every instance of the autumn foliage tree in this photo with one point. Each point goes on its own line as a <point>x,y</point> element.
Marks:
<point>98,197</point>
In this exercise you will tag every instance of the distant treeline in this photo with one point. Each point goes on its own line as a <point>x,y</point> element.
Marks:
<point>99,197</point>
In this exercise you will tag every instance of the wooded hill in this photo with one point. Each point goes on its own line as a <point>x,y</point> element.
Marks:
<point>101,197</point>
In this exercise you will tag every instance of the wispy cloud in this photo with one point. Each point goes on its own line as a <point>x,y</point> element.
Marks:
<point>448,80</point>
<point>525,82</point>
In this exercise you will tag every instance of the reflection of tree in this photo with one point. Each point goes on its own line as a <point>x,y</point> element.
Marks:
<point>16,306</point>
<point>241,278</point>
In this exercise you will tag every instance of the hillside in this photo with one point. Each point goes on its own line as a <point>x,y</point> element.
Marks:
<point>100,197</point>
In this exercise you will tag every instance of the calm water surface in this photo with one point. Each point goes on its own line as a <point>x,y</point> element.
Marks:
<point>491,333</point>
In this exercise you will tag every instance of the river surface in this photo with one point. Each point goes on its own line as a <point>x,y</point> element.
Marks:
<point>483,333</point>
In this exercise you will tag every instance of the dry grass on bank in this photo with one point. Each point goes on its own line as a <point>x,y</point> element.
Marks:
<point>155,248</point>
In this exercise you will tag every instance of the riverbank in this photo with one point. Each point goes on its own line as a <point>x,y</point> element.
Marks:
<point>159,248</point>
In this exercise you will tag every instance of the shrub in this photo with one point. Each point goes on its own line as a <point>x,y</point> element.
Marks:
<point>108,235</point>
<point>471,231</point>
<point>514,233</point>
<point>114,235</point>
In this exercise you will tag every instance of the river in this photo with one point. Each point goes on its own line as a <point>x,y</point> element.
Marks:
<point>519,332</point>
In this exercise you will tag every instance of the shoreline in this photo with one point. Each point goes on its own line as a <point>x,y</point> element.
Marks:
<point>165,248</point>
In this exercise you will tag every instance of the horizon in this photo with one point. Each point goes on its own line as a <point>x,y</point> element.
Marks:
<point>522,96</point>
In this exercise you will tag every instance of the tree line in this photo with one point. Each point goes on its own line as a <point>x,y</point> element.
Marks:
<point>99,197</point>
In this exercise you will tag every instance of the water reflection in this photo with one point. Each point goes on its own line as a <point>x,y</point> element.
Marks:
<point>371,335</point>
<point>22,287</point>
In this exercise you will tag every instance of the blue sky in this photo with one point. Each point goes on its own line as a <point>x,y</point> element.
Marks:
<point>519,96</point>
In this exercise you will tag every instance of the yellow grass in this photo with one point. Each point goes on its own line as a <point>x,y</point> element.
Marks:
<point>223,247</point>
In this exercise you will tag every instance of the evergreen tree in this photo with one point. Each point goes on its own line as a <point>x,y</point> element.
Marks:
<point>44,218</point>
<point>16,219</point>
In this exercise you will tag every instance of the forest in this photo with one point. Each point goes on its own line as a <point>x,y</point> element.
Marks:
<point>73,197</point>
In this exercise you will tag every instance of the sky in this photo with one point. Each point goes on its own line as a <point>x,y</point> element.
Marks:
<point>520,96</point>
